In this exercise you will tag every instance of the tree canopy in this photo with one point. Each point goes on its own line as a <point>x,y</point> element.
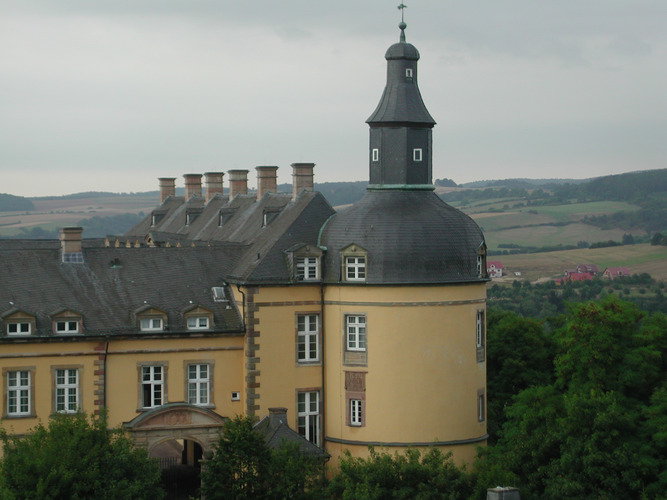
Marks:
<point>76,457</point>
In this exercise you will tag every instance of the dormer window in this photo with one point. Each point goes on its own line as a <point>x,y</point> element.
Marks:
<point>19,328</point>
<point>481,261</point>
<point>67,327</point>
<point>219,294</point>
<point>151,324</point>
<point>270,216</point>
<point>307,268</point>
<point>156,217</point>
<point>198,323</point>
<point>225,216</point>
<point>354,260</point>
<point>417,154</point>
<point>375,154</point>
<point>408,72</point>
<point>355,268</point>
<point>18,323</point>
<point>67,322</point>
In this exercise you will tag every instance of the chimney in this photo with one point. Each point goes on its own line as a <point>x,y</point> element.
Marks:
<point>70,244</point>
<point>238,182</point>
<point>302,178</point>
<point>167,187</point>
<point>213,184</point>
<point>192,185</point>
<point>277,416</point>
<point>266,180</point>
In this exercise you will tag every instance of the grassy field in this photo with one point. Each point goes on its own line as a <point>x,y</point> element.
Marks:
<point>62,212</point>
<point>637,258</point>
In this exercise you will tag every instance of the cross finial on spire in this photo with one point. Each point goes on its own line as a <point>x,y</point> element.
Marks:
<point>402,25</point>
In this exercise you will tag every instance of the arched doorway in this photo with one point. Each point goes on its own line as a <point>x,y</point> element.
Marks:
<point>177,435</point>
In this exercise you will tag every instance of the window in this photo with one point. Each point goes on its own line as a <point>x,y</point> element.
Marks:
<point>198,323</point>
<point>18,393</point>
<point>67,390</point>
<point>67,326</point>
<point>18,328</point>
<point>152,386</point>
<point>307,348</point>
<point>417,154</point>
<point>355,328</point>
<point>198,384</point>
<point>480,330</point>
<point>307,268</point>
<point>375,154</point>
<point>151,324</point>
<point>308,415</point>
<point>355,268</point>
<point>355,397</point>
<point>480,406</point>
<point>408,72</point>
<point>355,412</point>
<point>218,294</point>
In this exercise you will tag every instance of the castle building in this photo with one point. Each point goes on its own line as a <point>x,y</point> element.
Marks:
<point>358,327</point>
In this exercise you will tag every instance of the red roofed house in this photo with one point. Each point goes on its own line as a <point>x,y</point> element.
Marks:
<point>615,272</point>
<point>494,268</point>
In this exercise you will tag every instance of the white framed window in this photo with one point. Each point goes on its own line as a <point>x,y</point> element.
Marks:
<point>481,413</point>
<point>375,154</point>
<point>18,393</point>
<point>67,390</point>
<point>19,328</point>
<point>68,326</point>
<point>356,412</point>
<point>307,268</point>
<point>150,324</point>
<point>199,384</point>
<point>408,72</point>
<point>417,154</point>
<point>355,332</point>
<point>480,265</point>
<point>307,338</point>
<point>355,268</point>
<point>152,386</point>
<point>308,415</point>
<point>479,329</point>
<point>197,323</point>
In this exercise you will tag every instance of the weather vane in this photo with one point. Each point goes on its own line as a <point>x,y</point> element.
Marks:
<point>402,8</point>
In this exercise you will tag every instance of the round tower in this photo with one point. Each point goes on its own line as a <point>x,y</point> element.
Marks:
<point>405,295</point>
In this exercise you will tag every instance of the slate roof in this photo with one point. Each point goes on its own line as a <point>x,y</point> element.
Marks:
<point>112,284</point>
<point>411,237</point>
<point>401,101</point>
<point>260,246</point>
<point>275,431</point>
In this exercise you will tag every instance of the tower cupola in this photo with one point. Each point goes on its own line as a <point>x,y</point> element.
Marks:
<point>401,127</point>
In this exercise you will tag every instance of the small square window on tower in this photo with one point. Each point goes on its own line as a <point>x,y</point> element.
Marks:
<point>408,72</point>
<point>417,154</point>
<point>375,154</point>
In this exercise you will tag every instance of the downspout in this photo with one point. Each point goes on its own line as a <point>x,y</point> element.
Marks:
<point>322,362</point>
<point>238,287</point>
<point>104,368</point>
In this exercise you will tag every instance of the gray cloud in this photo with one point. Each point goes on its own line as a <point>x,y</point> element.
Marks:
<point>97,93</point>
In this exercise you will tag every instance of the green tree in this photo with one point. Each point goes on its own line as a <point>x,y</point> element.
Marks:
<point>76,457</point>
<point>410,475</point>
<point>244,467</point>
<point>519,355</point>
<point>597,431</point>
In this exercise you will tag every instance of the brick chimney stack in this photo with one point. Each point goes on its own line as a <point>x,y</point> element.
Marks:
<point>167,187</point>
<point>277,416</point>
<point>70,244</point>
<point>213,184</point>
<point>192,185</point>
<point>267,180</point>
<point>302,178</point>
<point>238,182</point>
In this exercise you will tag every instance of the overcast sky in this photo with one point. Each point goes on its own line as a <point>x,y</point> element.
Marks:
<point>109,95</point>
